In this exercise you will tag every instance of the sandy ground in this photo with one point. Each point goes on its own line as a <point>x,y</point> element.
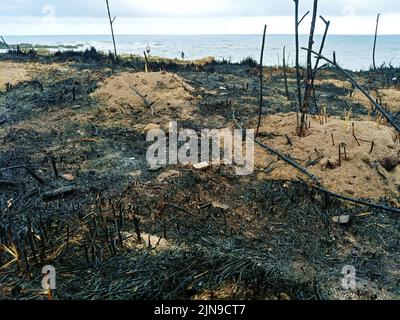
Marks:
<point>361,173</point>
<point>13,73</point>
<point>163,96</point>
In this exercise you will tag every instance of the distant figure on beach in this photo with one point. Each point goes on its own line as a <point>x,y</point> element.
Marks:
<point>148,49</point>
<point>183,55</point>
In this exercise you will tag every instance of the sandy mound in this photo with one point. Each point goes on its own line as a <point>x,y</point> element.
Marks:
<point>12,73</point>
<point>158,97</point>
<point>390,98</point>
<point>361,173</point>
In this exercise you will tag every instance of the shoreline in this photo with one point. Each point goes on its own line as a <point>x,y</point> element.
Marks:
<point>354,52</point>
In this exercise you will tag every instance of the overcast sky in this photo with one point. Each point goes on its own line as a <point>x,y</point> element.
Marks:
<point>27,17</point>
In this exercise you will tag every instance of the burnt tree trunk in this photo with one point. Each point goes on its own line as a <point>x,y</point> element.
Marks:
<point>309,81</point>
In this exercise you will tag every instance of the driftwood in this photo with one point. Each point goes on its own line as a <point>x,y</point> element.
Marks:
<point>261,82</point>
<point>358,86</point>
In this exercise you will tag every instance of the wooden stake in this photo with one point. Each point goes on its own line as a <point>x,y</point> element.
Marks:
<point>136,222</point>
<point>146,65</point>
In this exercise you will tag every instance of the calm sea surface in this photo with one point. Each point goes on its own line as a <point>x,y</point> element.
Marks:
<point>353,52</point>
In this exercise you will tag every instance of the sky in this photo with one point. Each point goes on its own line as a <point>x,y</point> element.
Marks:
<point>65,17</point>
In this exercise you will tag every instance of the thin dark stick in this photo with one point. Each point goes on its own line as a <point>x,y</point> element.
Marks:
<point>321,49</point>
<point>358,201</point>
<point>298,76</point>
<point>316,67</point>
<point>112,29</point>
<point>54,165</point>
<point>376,35</point>
<point>34,175</point>
<point>372,147</point>
<point>261,83</point>
<point>4,41</point>
<point>364,91</point>
<point>354,135</point>
<point>285,73</point>
<point>301,20</point>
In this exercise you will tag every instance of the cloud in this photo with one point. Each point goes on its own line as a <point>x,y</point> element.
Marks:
<point>195,8</point>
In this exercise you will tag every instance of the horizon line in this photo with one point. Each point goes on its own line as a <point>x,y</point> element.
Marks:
<point>195,34</point>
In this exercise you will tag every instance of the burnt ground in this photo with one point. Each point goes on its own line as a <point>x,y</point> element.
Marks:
<point>206,234</point>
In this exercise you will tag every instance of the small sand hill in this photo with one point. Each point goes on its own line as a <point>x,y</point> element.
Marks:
<point>12,73</point>
<point>157,97</point>
<point>362,173</point>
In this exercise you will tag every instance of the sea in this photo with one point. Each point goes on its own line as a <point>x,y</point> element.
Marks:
<point>353,52</point>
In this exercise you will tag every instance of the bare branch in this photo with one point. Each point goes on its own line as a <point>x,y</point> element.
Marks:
<point>301,20</point>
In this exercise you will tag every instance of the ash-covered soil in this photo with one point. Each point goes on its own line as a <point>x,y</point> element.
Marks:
<point>77,191</point>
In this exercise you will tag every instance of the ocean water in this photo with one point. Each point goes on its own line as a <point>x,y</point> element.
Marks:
<point>353,52</point>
